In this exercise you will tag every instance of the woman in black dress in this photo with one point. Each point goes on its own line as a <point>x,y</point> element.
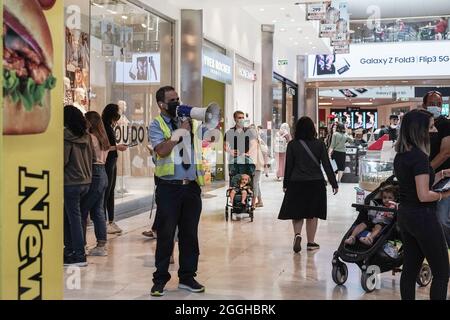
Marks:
<point>304,184</point>
<point>421,232</point>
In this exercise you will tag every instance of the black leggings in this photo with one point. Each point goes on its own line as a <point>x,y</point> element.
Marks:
<point>111,171</point>
<point>423,237</point>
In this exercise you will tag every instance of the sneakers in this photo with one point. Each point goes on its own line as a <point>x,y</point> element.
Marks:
<point>312,246</point>
<point>157,290</point>
<point>76,261</point>
<point>113,228</point>
<point>191,285</point>
<point>98,252</point>
<point>149,234</point>
<point>297,243</point>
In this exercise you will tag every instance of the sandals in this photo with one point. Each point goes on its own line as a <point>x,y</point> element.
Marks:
<point>350,240</point>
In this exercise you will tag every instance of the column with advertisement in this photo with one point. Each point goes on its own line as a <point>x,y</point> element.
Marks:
<point>31,212</point>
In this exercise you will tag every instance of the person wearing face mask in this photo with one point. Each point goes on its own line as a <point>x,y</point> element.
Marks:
<point>241,145</point>
<point>440,152</point>
<point>180,174</point>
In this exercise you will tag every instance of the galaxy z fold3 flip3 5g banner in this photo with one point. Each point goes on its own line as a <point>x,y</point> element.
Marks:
<point>31,206</point>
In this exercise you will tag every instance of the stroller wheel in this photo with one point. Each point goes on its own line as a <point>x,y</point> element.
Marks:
<point>368,281</point>
<point>424,277</point>
<point>339,273</point>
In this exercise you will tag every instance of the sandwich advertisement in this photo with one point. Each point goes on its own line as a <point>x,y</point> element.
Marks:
<point>31,208</point>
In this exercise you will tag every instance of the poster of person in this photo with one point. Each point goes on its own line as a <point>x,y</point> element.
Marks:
<point>142,68</point>
<point>316,11</point>
<point>145,68</point>
<point>107,30</point>
<point>336,16</point>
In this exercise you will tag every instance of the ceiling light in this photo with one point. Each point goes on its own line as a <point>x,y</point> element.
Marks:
<point>292,20</point>
<point>362,103</point>
<point>274,21</point>
<point>290,39</point>
<point>111,11</point>
<point>296,43</point>
<point>332,99</point>
<point>97,5</point>
<point>262,9</point>
<point>306,38</point>
<point>299,29</point>
<point>124,17</point>
<point>151,28</point>
<point>144,25</point>
<point>282,8</point>
<point>282,29</point>
<point>310,43</point>
<point>314,47</point>
<point>325,104</point>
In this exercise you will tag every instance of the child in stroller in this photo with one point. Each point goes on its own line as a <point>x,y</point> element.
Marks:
<point>243,189</point>
<point>377,220</point>
<point>384,253</point>
<point>240,195</point>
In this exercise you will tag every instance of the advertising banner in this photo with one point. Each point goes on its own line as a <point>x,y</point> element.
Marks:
<point>332,19</point>
<point>316,11</point>
<point>384,61</point>
<point>144,68</point>
<point>31,212</point>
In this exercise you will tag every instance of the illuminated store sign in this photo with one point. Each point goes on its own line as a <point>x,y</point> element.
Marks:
<point>247,73</point>
<point>217,66</point>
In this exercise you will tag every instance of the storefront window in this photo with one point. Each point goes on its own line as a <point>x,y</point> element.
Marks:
<point>131,59</point>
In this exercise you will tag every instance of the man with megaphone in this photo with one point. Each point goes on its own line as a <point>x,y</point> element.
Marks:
<point>176,137</point>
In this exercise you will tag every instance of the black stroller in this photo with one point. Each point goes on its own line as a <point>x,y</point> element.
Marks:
<point>235,172</point>
<point>376,258</point>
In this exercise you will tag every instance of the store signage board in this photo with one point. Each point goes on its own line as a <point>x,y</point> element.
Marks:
<point>246,73</point>
<point>316,11</point>
<point>283,62</point>
<point>217,66</point>
<point>370,93</point>
<point>423,60</point>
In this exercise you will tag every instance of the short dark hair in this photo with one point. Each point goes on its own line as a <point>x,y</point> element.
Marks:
<point>236,113</point>
<point>305,129</point>
<point>75,121</point>
<point>110,114</point>
<point>391,189</point>
<point>161,93</point>
<point>429,93</point>
<point>340,128</point>
<point>393,117</point>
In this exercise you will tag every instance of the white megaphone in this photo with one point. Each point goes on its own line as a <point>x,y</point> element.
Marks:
<point>210,115</point>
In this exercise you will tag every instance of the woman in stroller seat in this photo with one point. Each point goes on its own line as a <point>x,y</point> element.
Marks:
<point>376,220</point>
<point>243,189</point>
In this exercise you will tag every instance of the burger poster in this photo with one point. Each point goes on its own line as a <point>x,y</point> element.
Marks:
<point>31,206</point>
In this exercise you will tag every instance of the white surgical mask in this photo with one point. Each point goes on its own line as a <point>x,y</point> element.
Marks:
<point>241,123</point>
<point>435,110</point>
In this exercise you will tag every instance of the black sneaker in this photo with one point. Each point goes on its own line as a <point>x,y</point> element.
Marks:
<point>297,243</point>
<point>76,261</point>
<point>191,285</point>
<point>312,246</point>
<point>157,290</point>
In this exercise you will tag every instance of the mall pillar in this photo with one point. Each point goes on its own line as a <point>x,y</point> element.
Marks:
<point>267,32</point>
<point>191,84</point>
<point>307,97</point>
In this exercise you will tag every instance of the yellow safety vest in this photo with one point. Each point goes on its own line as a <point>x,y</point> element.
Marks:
<point>166,166</point>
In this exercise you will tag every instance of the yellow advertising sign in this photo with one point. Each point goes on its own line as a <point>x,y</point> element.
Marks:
<point>31,216</point>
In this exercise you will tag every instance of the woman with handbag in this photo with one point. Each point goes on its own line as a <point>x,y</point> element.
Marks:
<point>337,149</point>
<point>304,184</point>
<point>282,138</point>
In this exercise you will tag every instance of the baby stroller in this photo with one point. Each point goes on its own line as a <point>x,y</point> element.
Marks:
<point>384,255</point>
<point>235,172</point>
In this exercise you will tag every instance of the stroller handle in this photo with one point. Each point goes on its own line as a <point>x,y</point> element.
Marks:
<point>379,209</point>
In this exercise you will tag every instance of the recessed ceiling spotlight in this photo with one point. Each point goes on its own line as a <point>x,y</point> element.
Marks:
<point>292,20</point>
<point>296,43</point>
<point>290,39</point>
<point>306,38</point>
<point>124,17</point>
<point>274,21</point>
<point>314,47</point>
<point>299,29</point>
<point>144,25</point>
<point>282,29</point>
<point>282,8</point>
<point>310,43</point>
<point>262,9</point>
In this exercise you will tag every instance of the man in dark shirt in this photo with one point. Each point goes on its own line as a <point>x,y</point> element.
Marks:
<point>440,152</point>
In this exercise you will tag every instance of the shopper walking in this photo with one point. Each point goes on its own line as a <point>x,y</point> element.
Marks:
<point>93,201</point>
<point>110,116</point>
<point>304,185</point>
<point>337,149</point>
<point>282,138</point>
<point>440,152</point>
<point>78,158</point>
<point>260,166</point>
<point>421,231</point>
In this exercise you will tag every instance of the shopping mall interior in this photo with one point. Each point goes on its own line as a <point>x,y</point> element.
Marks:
<point>275,61</point>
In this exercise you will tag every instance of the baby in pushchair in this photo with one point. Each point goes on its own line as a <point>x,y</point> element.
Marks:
<point>243,189</point>
<point>240,194</point>
<point>376,220</point>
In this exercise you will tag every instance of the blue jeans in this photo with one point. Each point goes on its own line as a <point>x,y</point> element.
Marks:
<point>93,202</point>
<point>73,229</point>
<point>443,214</point>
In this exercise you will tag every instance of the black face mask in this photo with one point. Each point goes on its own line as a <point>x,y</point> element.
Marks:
<point>172,108</point>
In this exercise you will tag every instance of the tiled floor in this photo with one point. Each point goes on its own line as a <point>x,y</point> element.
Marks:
<point>239,259</point>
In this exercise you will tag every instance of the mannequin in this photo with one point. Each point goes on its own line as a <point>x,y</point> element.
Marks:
<point>80,95</point>
<point>123,162</point>
<point>68,95</point>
